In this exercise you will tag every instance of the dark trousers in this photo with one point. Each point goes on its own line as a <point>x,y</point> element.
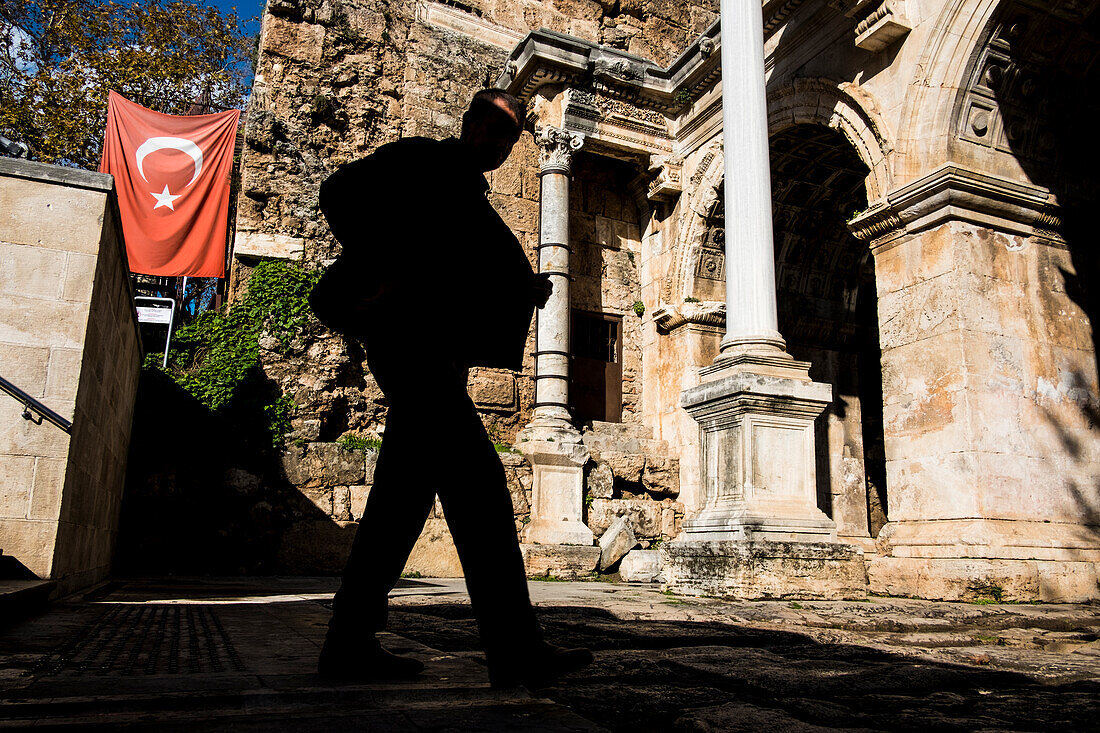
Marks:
<point>434,443</point>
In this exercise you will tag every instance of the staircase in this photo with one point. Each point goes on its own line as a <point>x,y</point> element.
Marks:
<point>22,594</point>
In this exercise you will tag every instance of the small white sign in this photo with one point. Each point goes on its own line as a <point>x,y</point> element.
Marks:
<point>154,315</point>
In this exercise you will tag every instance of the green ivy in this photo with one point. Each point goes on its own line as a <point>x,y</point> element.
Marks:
<point>356,442</point>
<point>216,357</point>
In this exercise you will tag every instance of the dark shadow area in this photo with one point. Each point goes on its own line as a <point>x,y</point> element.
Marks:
<point>204,493</point>
<point>191,654</point>
<point>665,675</point>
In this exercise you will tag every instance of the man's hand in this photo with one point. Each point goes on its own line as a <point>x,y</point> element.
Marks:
<point>541,288</point>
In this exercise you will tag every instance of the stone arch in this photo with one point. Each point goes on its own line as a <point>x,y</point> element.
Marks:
<point>925,135</point>
<point>846,108</point>
<point>704,198</point>
<point>840,106</point>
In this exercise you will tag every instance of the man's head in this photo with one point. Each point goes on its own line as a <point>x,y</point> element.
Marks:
<point>491,126</point>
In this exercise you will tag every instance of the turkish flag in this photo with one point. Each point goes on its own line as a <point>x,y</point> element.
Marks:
<point>172,177</point>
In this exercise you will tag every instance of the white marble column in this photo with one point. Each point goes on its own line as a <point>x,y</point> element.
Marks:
<point>759,528</point>
<point>556,149</point>
<point>551,442</point>
<point>751,317</point>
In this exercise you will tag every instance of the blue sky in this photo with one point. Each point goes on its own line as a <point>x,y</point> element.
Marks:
<point>245,10</point>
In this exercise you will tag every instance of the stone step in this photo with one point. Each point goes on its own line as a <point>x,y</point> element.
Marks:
<point>621,429</point>
<point>599,442</point>
<point>22,598</point>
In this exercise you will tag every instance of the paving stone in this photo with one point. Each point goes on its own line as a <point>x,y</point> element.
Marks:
<point>244,650</point>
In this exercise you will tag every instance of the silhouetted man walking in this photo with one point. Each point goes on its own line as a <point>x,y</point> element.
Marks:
<point>433,282</point>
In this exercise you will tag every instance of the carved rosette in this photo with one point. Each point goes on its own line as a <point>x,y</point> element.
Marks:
<point>556,148</point>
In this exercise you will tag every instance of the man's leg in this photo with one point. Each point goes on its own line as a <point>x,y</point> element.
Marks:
<point>397,506</point>
<point>479,512</point>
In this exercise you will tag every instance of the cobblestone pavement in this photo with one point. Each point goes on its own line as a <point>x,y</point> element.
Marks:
<point>239,654</point>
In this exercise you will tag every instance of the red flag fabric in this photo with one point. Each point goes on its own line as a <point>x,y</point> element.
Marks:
<point>172,177</point>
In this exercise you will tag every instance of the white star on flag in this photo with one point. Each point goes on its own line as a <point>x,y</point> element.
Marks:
<point>165,198</point>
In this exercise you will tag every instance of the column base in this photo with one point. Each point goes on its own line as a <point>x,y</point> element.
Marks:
<point>557,457</point>
<point>763,570</point>
<point>783,523</point>
<point>988,559</point>
<point>757,417</point>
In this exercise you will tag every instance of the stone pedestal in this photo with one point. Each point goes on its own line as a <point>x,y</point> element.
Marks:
<point>757,417</point>
<point>568,562</point>
<point>759,532</point>
<point>557,458</point>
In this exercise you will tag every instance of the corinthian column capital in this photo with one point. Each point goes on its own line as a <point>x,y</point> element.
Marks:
<point>556,148</point>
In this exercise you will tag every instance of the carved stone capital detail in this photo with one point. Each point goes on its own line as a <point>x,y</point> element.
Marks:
<point>666,184</point>
<point>556,148</point>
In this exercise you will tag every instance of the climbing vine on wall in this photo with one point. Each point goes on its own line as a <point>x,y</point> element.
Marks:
<point>216,357</point>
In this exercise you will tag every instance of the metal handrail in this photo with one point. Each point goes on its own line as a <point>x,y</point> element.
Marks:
<point>30,403</point>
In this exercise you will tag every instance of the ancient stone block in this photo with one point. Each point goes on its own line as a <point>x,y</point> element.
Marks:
<point>493,388</point>
<point>672,515</point>
<point>320,498</point>
<point>763,570</point>
<point>616,542</point>
<point>560,561</point>
<point>645,516</point>
<point>661,476</point>
<point>599,482</point>
<point>624,466</point>
<point>341,504</point>
<point>640,566</point>
<point>357,499</point>
<point>324,464</point>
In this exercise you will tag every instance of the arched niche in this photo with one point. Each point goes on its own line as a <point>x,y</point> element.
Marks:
<point>839,106</point>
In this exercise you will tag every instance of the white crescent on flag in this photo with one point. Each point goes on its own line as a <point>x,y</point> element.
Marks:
<point>181,144</point>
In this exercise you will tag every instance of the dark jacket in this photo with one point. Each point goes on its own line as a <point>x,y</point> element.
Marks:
<point>425,254</point>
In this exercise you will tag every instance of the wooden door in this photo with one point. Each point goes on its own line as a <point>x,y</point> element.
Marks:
<point>596,371</point>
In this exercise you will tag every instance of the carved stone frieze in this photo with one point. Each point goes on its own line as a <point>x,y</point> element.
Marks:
<point>953,193</point>
<point>556,149</point>
<point>617,70</point>
<point>1007,102</point>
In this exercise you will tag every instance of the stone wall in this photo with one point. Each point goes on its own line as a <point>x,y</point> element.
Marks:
<point>68,337</point>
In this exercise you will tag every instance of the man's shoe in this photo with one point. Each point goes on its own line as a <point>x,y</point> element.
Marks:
<point>541,669</point>
<point>349,662</point>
